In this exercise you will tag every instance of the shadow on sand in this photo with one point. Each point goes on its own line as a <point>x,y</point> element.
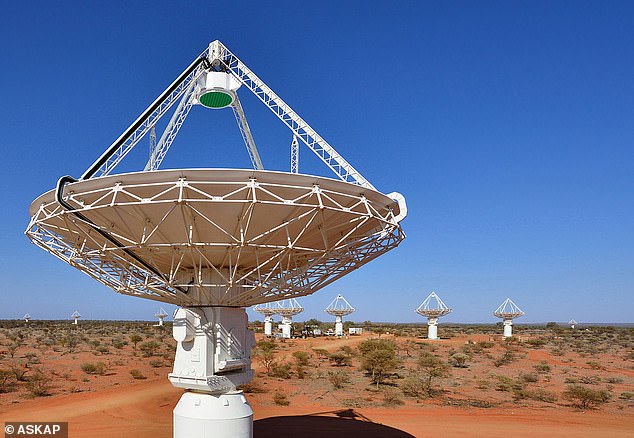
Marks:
<point>345,423</point>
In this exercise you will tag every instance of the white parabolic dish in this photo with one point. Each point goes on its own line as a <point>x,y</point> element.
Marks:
<point>216,237</point>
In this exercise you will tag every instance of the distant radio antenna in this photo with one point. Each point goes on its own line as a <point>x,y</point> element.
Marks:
<point>75,317</point>
<point>268,310</point>
<point>339,307</point>
<point>287,309</point>
<point>161,315</point>
<point>433,308</point>
<point>572,323</point>
<point>508,311</point>
<point>26,317</point>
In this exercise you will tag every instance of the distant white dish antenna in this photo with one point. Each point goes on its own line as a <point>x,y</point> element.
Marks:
<point>433,308</point>
<point>26,317</point>
<point>572,323</point>
<point>339,307</point>
<point>214,241</point>
<point>287,309</point>
<point>508,311</point>
<point>268,310</point>
<point>161,315</point>
<point>75,317</point>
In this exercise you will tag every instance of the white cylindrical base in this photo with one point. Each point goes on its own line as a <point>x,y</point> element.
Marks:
<point>200,415</point>
<point>432,332</point>
<point>75,322</point>
<point>508,329</point>
<point>338,328</point>
<point>286,330</point>
<point>268,328</point>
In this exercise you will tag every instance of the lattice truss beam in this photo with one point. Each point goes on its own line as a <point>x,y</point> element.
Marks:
<point>232,255</point>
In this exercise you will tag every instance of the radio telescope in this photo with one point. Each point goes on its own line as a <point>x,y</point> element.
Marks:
<point>339,307</point>
<point>214,241</point>
<point>75,317</point>
<point>268,310</point>
<point>433,308</point>
<point>572,323</point>
<point>508,311</point>
<point>287,309</point>
<point>161,315</point>
<point>26,317</point>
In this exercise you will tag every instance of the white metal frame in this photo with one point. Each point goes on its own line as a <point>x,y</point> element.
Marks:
<point>282,271</point>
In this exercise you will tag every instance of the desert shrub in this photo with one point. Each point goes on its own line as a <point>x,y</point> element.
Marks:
<point>94,368</point>
<point>149,348</point>
<point>265,353</point>
<point>392,397</point>
<point>6,380</point>
<point>137,374</point>
<point>156,363</point>
<point>279,398</point>
<point>338,378</point>
<point>19,370</point>
<point>340,359</point>
<point>251,388</point>
<point>432,367</point>
<point>347,350</point>
<point>614,380</point>
<point>103,349</point>
<point>281,371</point>
<point>584,397</point>
<point>529,377</point>
<point>589,380</point>
<point>507,357</point>
<point>135,339</point>
<point>32,358</point>
<point>39,384</point>
<point>301,358</point>
<point>370,345</point>
<point>321,353</point>
<point>459,360</point>
<point>627,396</point>
<point>542,368</point>
<point>379,363</point>
<point>595,365</point>
<point>543,395</point>
<point>508,384</point>
<point>483,384</point>
<point>119,343</point>
<point>536,343</point>
<point>415,387</point>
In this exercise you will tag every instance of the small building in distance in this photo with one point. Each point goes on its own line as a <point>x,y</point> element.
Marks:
<point>355,331</point>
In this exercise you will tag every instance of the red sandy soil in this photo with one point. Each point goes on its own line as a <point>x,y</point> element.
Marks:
<point>115,405</point>
<point>146,409</point>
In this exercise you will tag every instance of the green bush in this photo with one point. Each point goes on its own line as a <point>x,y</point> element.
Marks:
<point>584,397</point>
<point>280,398</point>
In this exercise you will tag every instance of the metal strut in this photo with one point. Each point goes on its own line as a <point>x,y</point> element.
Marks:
<point>294,155</point>
<point>241,119</point>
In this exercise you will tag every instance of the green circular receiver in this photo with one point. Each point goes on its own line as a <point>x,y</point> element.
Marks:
<point>215,99</point>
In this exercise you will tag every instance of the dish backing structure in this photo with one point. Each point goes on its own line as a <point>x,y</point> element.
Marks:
<point>214,241</point>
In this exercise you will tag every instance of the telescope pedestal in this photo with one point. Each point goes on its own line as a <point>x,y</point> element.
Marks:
<point>508,328</point>
<point>213,356</point>
<point>432,328</point>
<point>204,415</point>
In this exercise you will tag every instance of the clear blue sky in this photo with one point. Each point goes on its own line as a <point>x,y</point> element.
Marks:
<point>509,128</point>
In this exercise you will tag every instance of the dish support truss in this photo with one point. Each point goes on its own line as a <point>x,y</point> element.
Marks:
<point>183,90</point>
<point>242,265</point>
